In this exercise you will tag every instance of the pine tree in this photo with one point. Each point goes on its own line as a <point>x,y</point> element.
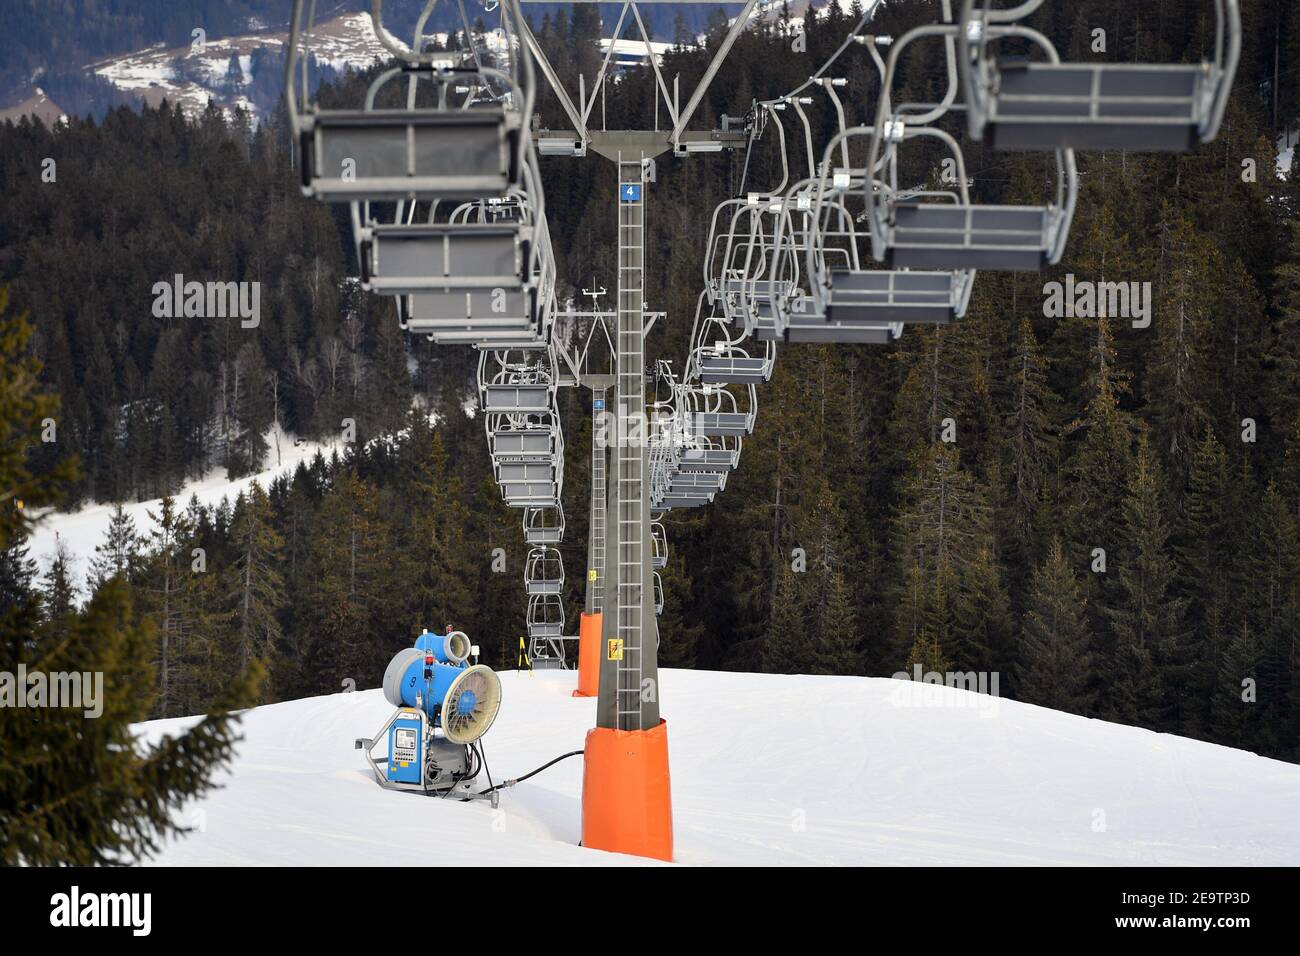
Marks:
<point>253,584</point>
<point>788,646</point>
<point>1030,438</point>
<point>1237,711</point>
<point>445,569</point>
<point>349,589</point>
<point>927,653</point>
<point>1054,668</point>
<point>835,626</point>
<point>58,594</point>
<point>78,791</point>
<point>1096,472</point>
<point>17,573</point>
<point>168,593</point>
<point>1145,614</point>
<point>1202,545</point>
<point>679,635</point>
<point>119,553</point>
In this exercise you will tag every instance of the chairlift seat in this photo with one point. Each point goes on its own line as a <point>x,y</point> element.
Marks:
<point>516,399</point>
<point>530,444</point>
<point>470,308</point>
<point>670,502</point>
<point>695,481</point>
<point>544,573</point>
<point>1141,107</point>
<point>719,424</point>
<point>816,328</point>
<point>879,297</point>
<point>543,525</point>
<point>513,472</point>
<point>530,494</point>
<point>943,236</point>
<point>708,459</point>
<point>728,369</point>
<point>398,258</point>
<point>391,154</point>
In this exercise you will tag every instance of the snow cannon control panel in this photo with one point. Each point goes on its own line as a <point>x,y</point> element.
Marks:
<point>404,749</point>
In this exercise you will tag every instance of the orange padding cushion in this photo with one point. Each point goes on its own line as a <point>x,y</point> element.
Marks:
<point>627,802</point>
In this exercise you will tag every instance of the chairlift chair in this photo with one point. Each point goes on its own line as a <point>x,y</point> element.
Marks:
<point>659,541</point>
<point>944,229</point>
<point>543,525</point>
<point>544,571</point>
<point>1014,103</point>
<point>417,152</point>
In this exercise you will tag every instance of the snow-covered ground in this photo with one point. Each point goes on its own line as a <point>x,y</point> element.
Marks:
<point>766,769</point>
<point>80,531</point>
<point>1286,152</point>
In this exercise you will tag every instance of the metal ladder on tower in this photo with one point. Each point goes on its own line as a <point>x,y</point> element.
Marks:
<point>631,412</point>
<point>596,584</point>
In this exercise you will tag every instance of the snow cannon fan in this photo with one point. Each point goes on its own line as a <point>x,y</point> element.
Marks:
<point>444,704</point>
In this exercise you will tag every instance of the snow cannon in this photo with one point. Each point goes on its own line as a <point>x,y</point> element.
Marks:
<point>444,705</point>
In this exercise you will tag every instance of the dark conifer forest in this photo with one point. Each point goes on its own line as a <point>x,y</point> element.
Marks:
<point>1106,516</point>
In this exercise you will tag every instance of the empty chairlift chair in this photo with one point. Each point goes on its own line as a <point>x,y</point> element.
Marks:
<point>517,398</point>
<point>1015,103</point>
<point>400,258</point>
<point>727,364</point>
<point>946,230</point>
<point>715,413</point>
<point>481,279</point>
<point>545,617</point>
<point>659,540</point>
<point>544,572</point>
<point>414,153</point>
<point>543,525</point>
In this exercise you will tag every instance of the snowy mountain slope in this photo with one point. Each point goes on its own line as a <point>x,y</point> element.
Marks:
<point>80,531</point>
<point>189,77</point>
<point>766,769</point>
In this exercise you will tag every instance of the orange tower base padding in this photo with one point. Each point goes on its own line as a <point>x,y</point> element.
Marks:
<point>589,655</point>
<point>627,802</point>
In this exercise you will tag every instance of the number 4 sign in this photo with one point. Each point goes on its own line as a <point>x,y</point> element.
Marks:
<point>630,192</point>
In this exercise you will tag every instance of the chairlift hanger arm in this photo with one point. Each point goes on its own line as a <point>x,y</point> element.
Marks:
<point>576,118</point>
<point>737,27</point>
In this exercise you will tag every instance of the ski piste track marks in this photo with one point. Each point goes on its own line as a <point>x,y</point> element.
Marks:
<point>767,769</point>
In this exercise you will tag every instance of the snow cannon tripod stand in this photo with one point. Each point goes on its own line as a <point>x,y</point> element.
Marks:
<point>444,705</point>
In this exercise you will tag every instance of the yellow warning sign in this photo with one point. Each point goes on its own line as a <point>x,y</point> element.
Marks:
<point>615,649</point>
<point>592,575</point>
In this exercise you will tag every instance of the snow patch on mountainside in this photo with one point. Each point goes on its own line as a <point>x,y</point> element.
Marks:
<point>347,41</point>
<point>80,531</point>
<point>766,769</point>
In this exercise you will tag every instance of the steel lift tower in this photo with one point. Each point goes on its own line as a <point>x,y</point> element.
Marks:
<point>626,792</point>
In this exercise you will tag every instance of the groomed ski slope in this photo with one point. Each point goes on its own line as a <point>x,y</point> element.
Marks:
<point>766,769</point>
